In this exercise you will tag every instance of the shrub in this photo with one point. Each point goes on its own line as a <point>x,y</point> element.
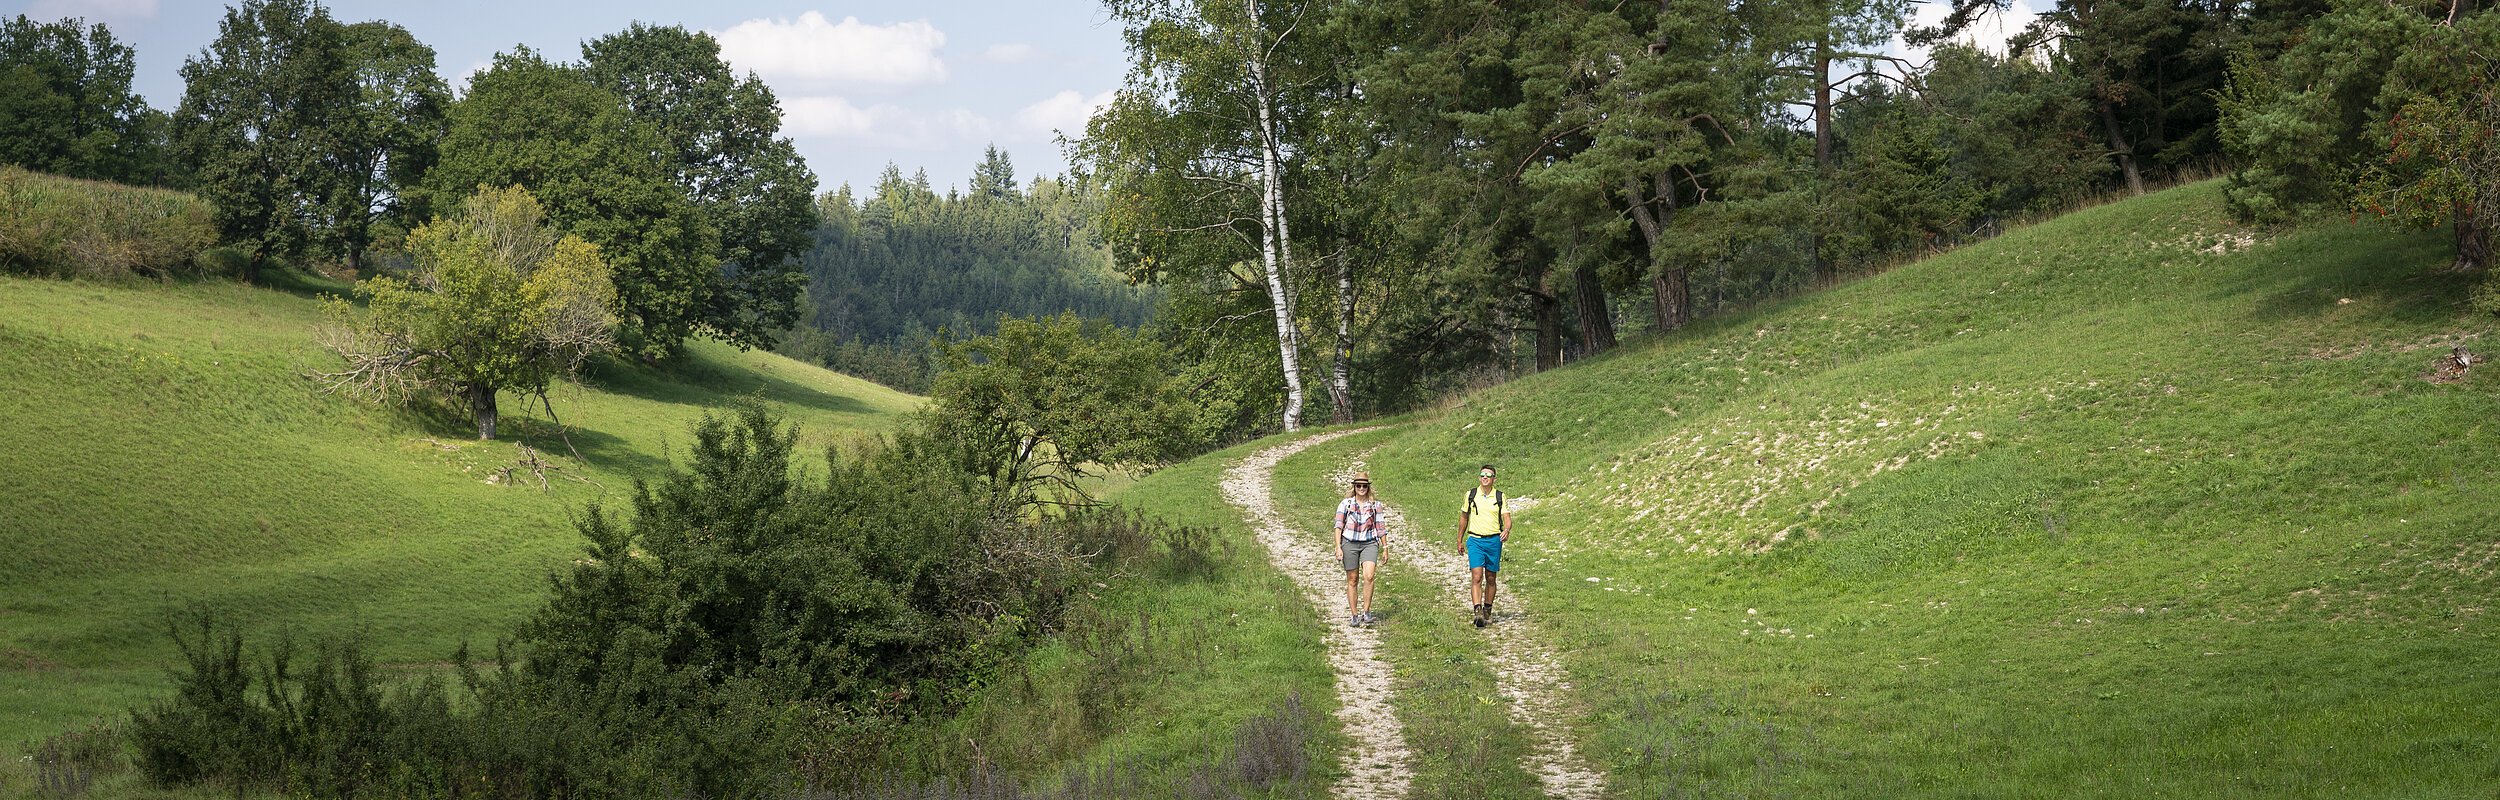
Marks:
<point>746,632</point>
<point>68,764</point>
<point>63,227</point>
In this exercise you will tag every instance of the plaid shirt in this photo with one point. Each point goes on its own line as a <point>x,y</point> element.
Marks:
<point>1359,520</point>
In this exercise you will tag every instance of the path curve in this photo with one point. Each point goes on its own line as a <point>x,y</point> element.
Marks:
<point>1376,766</point>
<point>1530,676</point>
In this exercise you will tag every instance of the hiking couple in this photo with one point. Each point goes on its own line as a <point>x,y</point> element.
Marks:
<point>1360,535</point>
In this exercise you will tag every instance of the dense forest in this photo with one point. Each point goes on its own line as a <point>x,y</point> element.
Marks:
<point>891,272</point>
<point>1428,191</point>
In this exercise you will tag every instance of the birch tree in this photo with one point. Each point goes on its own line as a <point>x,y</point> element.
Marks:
<point>1197,149</point>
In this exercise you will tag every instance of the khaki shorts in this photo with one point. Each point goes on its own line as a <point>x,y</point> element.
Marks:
<point>1358,552</point>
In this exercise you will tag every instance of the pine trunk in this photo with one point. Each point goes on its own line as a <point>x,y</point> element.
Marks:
<point>2473,243</point>
<point>1670,294</point>
<point>1597,324</point>
<point>1548,330</point>
<point>2119,149</point>
<point>482,405</point>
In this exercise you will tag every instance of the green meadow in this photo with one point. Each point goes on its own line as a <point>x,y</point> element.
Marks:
<point>162,450</point>
<point>2136,502</point>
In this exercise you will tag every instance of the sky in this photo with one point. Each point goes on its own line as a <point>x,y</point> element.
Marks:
<point>862,84</point>
<point>921,85</point>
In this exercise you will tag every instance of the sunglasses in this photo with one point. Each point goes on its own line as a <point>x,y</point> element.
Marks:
<point>1484,474</point>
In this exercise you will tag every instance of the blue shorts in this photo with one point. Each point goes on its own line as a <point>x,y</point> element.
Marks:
<point>1484,552</point>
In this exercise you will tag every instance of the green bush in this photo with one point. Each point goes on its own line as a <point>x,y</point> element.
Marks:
<point>748,631</point>
<point>64,227</point>
<point>68,764</point>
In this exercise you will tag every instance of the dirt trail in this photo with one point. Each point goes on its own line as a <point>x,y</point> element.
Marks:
<point>1530,676</point>
<point>1377,764</point>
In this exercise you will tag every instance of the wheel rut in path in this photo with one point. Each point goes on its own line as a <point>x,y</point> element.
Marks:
<point>1530,676</point>
<point>1377,765</point>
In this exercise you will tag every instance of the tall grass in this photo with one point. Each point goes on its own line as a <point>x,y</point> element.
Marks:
<point>66,227</point>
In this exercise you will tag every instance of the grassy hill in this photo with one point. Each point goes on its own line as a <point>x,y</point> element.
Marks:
<point>161,450</point>
<point>2135,502</point>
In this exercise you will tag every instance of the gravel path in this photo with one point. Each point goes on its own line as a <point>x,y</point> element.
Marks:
<point>1377,763</point>
<point>1531,678</point>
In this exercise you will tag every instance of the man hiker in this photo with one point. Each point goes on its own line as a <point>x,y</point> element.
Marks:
<point>1483,529</point>
<point>1359,539</point>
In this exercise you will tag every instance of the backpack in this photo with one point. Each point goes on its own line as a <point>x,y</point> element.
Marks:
<point>1497,503</point>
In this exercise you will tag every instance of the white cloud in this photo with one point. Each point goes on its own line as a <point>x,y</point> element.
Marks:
<point>91,10</point>
<point>1009,53</point>
<point>1065,112</point>
<point>882,124</point>
<point>1989,33</point>
<point>812,51</point>
<point>460,80</point>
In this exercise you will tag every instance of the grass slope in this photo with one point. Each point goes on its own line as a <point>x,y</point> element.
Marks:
<point>161,450</point>
<point>1165,684</point>
<point>2131,503</point>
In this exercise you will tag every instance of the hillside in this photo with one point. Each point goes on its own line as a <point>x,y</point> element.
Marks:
<point>2134,502</point>
<point>161,450</point>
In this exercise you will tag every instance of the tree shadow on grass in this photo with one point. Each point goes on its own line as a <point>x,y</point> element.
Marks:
<point>608,451</point>
<point>306,284</point>
<point>692,380</point>
<point>521,422</point>
<point>2400,274</point>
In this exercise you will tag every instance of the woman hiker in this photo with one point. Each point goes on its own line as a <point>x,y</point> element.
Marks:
<point>1481,532</point>
<point>1359,539</point>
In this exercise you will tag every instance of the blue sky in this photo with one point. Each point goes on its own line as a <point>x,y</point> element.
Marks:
<point>917,84</point>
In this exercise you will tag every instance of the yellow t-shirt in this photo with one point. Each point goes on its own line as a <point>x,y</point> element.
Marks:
<point>1487,518</point>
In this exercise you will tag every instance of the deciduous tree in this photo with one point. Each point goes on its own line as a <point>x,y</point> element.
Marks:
<point>602,174</point>
<point>66,106</point>
<point>500,301</point>
<point>725,153</point>
<point>262,111</point>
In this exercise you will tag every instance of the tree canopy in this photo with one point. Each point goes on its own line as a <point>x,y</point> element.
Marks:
<point>66,106</point>
<point>499,301</point>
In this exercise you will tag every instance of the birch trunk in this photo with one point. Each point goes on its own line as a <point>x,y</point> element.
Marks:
<point>1822,150</point>
<point>1275,249</point>
<point>1340,384</point>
